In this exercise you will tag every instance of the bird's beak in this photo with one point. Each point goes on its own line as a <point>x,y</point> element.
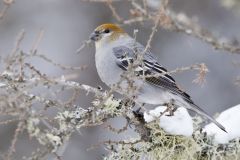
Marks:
<point>95,36</point>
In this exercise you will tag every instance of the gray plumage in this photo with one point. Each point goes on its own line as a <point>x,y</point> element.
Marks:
<point>113,60</point>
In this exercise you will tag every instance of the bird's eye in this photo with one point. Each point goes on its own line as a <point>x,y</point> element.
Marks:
<point>106,31</point>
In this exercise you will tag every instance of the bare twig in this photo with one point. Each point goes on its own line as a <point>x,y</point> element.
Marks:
<point>111,142</point>
<point>84,44</point>
<point>8,121</point>
<point>37,41</point>
<point>154,30</point>
<point>64,67</point>
<point>181,23</point>
<point>113,9</point>
<point>19,39</point>
<point>176,22</point>
<point>124,128</point>
<point>7,4</point>
<point>19,129</point>
<point>202,68</point>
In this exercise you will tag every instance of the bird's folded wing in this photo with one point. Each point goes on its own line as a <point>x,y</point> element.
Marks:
<point>149,68</point>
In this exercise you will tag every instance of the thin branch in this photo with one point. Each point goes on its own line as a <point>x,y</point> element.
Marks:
<point>37,41</point>
<point>124,128</point>
<point>178,23</point>
<point>154,30</point>
<point>84,44</point>
<point>64,67</point>
<point>19,39</point>
<point>202,68</point>
<point>19,129</point>
<point>9,121</point>
<point>181,23</point>
<point>7,4</point>
<point>113,9</point>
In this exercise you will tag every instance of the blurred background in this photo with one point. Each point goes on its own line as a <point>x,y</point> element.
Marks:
<point>67,24</point>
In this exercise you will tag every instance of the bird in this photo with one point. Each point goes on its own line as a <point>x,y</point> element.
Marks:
<point>147,81</point>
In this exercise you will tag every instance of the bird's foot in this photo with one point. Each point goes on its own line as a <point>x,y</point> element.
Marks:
<point>138,114</point>
<point>128,102</point>
<point>171,108</point>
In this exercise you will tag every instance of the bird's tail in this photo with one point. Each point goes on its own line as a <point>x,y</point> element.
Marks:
<point>200,111</point>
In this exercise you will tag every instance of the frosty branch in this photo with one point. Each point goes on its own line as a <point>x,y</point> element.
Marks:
<point>178,22</point>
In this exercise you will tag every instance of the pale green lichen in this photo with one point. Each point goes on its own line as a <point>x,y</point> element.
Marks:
<point>65,118</point>
<point>110,105</point>
<point>172,147</point>
<point>55,140</point>
<point>157,145</point>
<point>32,122</point>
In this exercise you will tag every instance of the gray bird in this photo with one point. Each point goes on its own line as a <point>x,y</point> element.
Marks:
<point>117,52</point>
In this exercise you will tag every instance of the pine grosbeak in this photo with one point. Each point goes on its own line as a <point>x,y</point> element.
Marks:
<point>117,52</point>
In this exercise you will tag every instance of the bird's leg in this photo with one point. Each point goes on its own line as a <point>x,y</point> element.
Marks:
<point>137,113</point>
<point>128,102</point>
<point>171,108</point>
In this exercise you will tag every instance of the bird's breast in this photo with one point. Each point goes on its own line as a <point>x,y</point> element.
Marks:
<point>107,68</point>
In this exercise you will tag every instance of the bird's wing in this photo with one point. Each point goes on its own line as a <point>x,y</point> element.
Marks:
<point>149,68</point>
<point>154,73</point>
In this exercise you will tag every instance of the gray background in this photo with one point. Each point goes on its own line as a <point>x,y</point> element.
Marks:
<point>68,23</point>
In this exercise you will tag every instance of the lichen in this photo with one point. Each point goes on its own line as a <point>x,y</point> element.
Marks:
<point>173,147</point>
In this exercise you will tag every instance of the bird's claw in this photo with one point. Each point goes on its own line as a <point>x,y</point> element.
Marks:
<point>171,108</point>
<point>128,102</point>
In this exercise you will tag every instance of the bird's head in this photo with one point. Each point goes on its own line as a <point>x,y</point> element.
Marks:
<point>107,33</point>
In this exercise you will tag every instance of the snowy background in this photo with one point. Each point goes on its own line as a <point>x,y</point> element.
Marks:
<point>67,23</point>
